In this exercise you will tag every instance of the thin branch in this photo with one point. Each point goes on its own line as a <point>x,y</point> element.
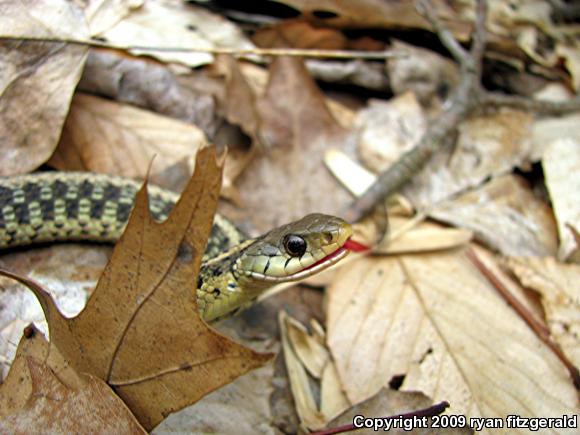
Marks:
<point>542,333</point>
<point>426,412</point>
<point>445,36</point>
<point>296,52</point>
<point>542,107</point>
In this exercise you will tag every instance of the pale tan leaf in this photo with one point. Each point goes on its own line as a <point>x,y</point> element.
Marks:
<point>305,403</point>
<point>333,401</point>
<point>561,163</point>
<point>386,130</point>
<point>426,236</point>
<point>42,19</point>
<point>311,352</point>
<point>353,176</point>
<point>104,14</point>
<point>488,146</point>
<point>434,320</point>
<point>37,79</point>
<point>506,215</point>
<point>167,23</point>
<point>571,55</point>
<point>108,137</point>
<point>547,130</point>
<point>559,286</point>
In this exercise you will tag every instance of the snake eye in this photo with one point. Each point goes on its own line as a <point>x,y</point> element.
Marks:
<point>294,245</point>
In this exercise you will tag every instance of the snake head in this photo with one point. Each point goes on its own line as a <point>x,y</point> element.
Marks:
<point>296,250</point>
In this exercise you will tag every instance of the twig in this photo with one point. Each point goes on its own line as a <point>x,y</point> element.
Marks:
<point>523,312</point>
<point>542,107</point>
<point>463,102</point>
<point>296,52</point>
<point>426,412</point>
<point>468,96</point>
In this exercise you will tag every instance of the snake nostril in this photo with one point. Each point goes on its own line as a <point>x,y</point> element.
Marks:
<point>327,237</point>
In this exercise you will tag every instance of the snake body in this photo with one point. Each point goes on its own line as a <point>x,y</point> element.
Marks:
<point>57,206</point>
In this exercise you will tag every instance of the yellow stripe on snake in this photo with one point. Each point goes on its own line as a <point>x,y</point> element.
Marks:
<point>67,206</point>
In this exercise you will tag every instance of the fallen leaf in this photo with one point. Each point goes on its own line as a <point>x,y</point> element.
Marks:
<point>107,137</point>
<point>488,146</point>
<point>242,406</point>
<point>37,78</point>
<point>150,85</point>
<point>299,34</point>
<point>304,400</point>
<point>386,130</point>
<point>558,285</point>
<point>296,128</point>
<point>389,402</point>
<point>170,24</point>
<point>40,402</point>
<point>104,14</point>
<point>504,214</point>
<point>561,163</point>
<point>140,330</point>
<point>433,321</point>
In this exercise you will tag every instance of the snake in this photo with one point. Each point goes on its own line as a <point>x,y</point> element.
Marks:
<point>48,207</point>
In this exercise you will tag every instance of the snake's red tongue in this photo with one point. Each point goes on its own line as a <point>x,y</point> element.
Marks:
<point>351,245</point>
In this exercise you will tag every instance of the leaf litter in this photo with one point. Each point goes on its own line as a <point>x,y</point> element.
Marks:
<point>437,325</point>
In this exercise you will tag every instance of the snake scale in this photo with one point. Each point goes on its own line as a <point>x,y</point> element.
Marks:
<point>67,206</point>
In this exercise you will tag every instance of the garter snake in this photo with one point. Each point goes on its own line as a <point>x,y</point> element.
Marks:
<point>67,206</point>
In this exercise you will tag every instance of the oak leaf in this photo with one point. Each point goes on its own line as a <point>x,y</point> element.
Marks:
<point>140,331</point>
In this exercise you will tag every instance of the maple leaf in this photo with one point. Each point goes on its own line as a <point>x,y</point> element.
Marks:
<point>140,331</point>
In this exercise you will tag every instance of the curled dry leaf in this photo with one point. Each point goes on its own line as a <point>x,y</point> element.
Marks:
<point>437,323</point>
<point>140,331</point>
<point>558,285</point>
<point>37,78</point>
<point>108,137</point>
<point>35,398</point>
<point>561,163</point>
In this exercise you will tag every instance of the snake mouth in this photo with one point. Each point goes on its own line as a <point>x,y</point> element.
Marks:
<point>320,265</point>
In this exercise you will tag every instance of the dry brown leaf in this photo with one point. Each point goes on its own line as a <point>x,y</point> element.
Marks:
<point>37,79</point>
<point>167,23</point>
<point>558,285</point>
<point>35,398</point>
<point>506,215</point>
<point>108,137</point>
<point>312,354</point>
<point>104,14</point>
<point>391,402</point>
<point>299,34</point>
<point>434,320</point>
<point>290,180</point>
<point>561,163</point>
<point>547,130</point>
<point>140,331</point>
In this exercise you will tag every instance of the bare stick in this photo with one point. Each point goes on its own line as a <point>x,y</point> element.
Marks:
<point>296,52</point>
